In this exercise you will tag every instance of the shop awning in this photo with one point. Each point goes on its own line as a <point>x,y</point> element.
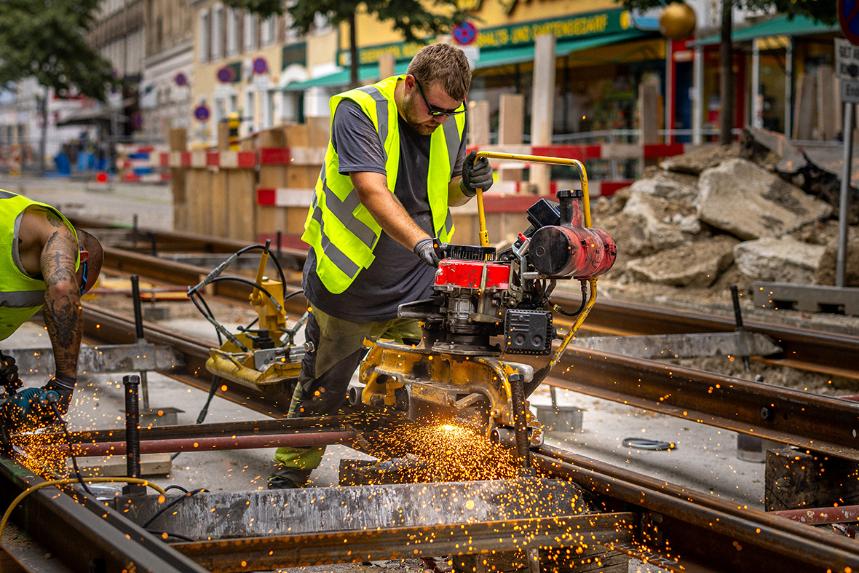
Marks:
<point>778,26</point>
<point>520,54</point>
<point>487,59</point>
<point>366,73</point>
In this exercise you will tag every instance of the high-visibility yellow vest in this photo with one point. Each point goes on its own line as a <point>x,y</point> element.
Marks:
<point>21,296</point>
<point>339,228</point>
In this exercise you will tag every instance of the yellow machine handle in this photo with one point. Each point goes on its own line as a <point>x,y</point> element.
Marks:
<point>586,207</point>
<point>580,167</point>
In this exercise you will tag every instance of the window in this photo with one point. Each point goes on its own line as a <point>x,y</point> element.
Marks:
<point>232,32</point>
<point>217,33</point>
<point>269,27</point>
<point>203,36</point>
<point>250,32</point>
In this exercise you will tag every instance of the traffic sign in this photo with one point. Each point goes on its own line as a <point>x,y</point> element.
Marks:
<point>848,18</point>
<point>846,60</point>
<point>465,33</point>
<point>850,91</point>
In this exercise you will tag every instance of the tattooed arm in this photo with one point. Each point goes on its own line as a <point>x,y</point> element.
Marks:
<point>62,311</point>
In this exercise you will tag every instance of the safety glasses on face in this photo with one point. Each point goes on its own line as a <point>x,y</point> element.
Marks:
<point>84,257</point>
<point>439,111</point>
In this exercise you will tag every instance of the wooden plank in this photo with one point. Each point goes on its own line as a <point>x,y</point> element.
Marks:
<point>241,201</point>
<point>511,119</point>
<point>795,479</point>
<point>386,65</point>
<point>478,122</point>
<point>219,206</point>
<point>178,141</point>
<point>827,126</point>
<point>268,218</point>
<point>318,129</point>
<point>542,105</point>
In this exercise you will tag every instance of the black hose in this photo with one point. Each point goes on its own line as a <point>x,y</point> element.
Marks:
<point>250,283</point>
<point>176,501</point>
<point>271,255</point>
<point>579,310</point>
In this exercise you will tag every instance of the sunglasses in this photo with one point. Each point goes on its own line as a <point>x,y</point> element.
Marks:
<point>439,111</point>
<point>84,256</point>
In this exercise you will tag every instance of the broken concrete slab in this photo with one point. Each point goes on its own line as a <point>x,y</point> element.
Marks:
<point>655,224</point>
<point>691,264</point>
<point>219,515</point>
<point>749,202</point>
<point>825,274</point>
<point>784,260</point>
<point>700,158</point>
<point>676,187</point>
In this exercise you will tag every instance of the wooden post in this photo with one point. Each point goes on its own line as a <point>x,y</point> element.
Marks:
<point>478,123</point>
<point>178,139</point>
<point>648,110</point>
<point>827,126</point>
<point>542,105</point>
<point>804,112</point>
<point>269,218</point>
<point>511,126</point>
<point>386,66</point>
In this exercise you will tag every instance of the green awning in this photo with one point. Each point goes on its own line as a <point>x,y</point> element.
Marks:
<point>487,59</point>
<point>778,26</point>
<point>366,73</point>
<point>520,54</point>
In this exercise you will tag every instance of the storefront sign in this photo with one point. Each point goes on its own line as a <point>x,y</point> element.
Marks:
<point>573,26</point>
<point>846,59</point>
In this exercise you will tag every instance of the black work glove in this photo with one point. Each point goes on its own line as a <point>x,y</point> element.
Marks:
<point>425,249</point>
<point>476,174</point>
<point>63,386</point>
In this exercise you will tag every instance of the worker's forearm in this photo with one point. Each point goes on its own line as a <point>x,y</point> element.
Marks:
<point>391,216</point>
<point>64,320</point>
<point>455,196</point>
<point>63,312</point>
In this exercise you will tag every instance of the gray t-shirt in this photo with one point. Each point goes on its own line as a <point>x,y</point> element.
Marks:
<point>397,275</point>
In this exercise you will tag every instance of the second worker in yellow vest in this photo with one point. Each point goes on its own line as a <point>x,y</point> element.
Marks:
<point>394,165</point>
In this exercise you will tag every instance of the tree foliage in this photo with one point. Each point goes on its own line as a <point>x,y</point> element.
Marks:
<point>820,10</point>
<point>46,40</point>
<point>409,17</point>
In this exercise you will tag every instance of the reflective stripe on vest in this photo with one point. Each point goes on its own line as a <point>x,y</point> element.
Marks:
<point>338,226</point>
<point>21,296</point>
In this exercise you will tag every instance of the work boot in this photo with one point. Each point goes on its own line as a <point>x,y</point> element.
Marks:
<point>288,478</point>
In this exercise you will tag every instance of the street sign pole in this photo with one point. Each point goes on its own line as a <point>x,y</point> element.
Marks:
<point>847,65</point>
<point>841,256</point>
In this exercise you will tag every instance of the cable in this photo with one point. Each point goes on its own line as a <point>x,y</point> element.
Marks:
<point>173,503</point>
<point>179,487</point>
<point>67,481</point>
<point>250,283</point>
<point>579,310</point>
<point>647,444</point>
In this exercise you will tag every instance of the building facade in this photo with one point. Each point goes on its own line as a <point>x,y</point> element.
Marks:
<point>237,66</point>
<point>165,92</point>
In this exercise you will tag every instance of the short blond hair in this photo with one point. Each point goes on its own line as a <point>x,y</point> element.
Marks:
<point>442,63</point>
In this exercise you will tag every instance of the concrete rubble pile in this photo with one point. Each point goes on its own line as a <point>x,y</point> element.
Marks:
<point>759,210</point>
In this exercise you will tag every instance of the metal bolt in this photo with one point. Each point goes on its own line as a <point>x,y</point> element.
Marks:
<point>765,413</point>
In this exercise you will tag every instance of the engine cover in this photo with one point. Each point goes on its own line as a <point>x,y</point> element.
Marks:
<point>455,273</point>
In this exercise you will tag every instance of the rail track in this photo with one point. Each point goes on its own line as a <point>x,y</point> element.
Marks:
<point>673,527</point>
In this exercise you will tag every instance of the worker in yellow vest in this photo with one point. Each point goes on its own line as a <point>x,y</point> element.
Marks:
<point>394,165</point>
<point>45,263</point>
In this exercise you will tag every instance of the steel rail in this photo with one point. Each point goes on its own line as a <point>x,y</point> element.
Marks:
<point>84,533</point>
<point>803,419</point>
<point>457,539</point>
<point>703,532</point>
<point>811,350</point>
<point>782,414</point>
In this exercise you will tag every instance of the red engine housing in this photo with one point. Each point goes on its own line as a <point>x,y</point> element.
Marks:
<point>561,251</point>
<point>457,273</point>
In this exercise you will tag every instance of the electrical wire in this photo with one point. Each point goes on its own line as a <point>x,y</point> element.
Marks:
<point>579,310</point>
<point>177,501</point>
<point>66,481</point>
<point>271,255</point>
<point>169,534</point>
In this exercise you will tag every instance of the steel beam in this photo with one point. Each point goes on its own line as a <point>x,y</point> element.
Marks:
<point>776,413</point>
<point>83,533</point>
<point>107,358</point>
<point>483,537</point>
<point>702,532</point>
<point>692,345</point>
